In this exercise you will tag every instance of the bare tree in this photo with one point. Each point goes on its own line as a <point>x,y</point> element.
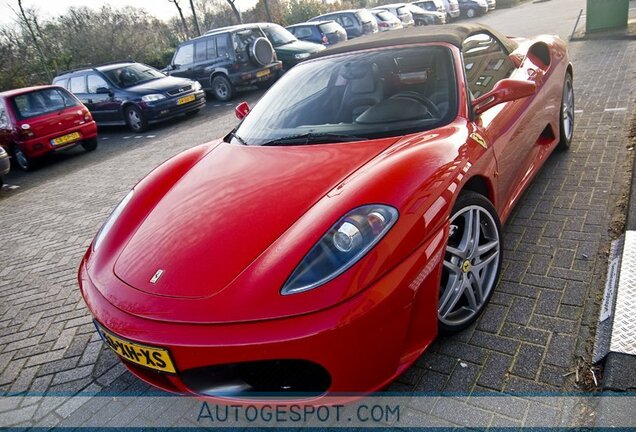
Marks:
<point>194,17</point>
<point>236,11</point>
<point>24,19</point>
<point>269,15</point>
<point>184,23</point>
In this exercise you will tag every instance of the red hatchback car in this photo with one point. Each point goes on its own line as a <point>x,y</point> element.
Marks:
<point>354,213</point>
<point>35,121</point>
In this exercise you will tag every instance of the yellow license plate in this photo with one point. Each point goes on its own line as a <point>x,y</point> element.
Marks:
<point>185,99</point>
<point>144,355</point>
<point>262,73</point>
<point>65,139</point>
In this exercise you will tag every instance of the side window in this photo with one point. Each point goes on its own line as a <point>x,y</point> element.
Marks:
<point>303,32</point>
<point>221,46</point>
<point>62,82</point>
<point>94,82</point>
<point>211,48</point>
<point>486,63</point>
<point>185,55</point>
<point>200,51</point>
<point>78,84</point>
<point>347,21</point>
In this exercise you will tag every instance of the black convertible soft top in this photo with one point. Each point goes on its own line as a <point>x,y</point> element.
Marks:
<point>454,34</point>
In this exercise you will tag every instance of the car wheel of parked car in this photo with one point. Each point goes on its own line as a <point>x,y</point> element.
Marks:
<point>471,13</point>
<point>90,145</point>
<point>222,88</point>
<point>472,262</point>
<point>566,123</point>
<point>135,119</point>
<point>24,162</point>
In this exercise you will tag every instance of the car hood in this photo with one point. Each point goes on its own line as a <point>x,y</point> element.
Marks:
<point>159,85</point>
<point>227,210</point>
<point>298,47</point>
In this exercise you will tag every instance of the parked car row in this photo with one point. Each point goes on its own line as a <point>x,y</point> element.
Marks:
<point>39,120</point>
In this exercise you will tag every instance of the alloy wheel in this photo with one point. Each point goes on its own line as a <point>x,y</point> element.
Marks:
<point>567,109</point>
<point>134,120</point>
<point>470,266</point>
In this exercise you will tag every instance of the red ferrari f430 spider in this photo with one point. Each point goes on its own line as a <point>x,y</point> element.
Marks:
<point>353,214</point>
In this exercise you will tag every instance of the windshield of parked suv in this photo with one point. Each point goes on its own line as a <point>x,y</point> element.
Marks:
<point>132,75</point>
<point>278,36</point>
<point>40,102</point>
<point>374,94</point>
<point>384,15</point>
<point>365,15</point>
<point>330,27</point>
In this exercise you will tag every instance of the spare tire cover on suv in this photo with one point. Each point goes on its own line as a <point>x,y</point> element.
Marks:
<point>262,51</point>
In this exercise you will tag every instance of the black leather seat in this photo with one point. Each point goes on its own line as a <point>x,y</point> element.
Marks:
<point>363,90</point>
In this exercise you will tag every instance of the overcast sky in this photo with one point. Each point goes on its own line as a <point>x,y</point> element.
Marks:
<point>48,8</point>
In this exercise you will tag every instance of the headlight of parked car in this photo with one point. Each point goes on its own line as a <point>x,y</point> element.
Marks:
<point>197,86</point>
<point>111,220</point>
<point>152,97</point>
<point>351,238</point>
<point>302,56</point>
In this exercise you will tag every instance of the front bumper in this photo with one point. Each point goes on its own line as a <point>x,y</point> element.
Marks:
<point>168,108</point>
<point>360,344</point>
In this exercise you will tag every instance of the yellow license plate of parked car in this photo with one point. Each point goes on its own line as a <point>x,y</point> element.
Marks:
<point>150,357</point>
<point>65,139</point>
<point>186,99</point>
<point>262,73</point>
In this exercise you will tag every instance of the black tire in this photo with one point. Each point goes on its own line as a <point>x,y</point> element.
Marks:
<point>135,119</point>
<point>222,88</point>
<point>471,270</point>
<point>566,116</point>
<point>90,145</point>
<point>23,162</point>
<point>471,13</point>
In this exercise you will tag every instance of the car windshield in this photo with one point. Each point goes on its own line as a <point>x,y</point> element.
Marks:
<point>132,75</point>
<point>384,15</point>
<point>416,9</point>
<point>330,27</point>
<point>375,94</point>
<point>278,36</point>
<point>41,102</point>
<point>365,15</point>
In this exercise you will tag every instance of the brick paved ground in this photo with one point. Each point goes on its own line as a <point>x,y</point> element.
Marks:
<point>538,322</point>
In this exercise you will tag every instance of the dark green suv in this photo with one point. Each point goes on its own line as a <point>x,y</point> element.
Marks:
<point>289,50</point>
<point>226,58</point>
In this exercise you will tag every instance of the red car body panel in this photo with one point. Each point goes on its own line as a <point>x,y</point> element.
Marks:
<point>45,127</point>
<point>368,324</point>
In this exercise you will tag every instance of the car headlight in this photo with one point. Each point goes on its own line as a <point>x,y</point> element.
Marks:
<point>302,56</point>
<point>351,238</point>
<point>197,86</point>
<point>111,220</point>
<point>152,97</point>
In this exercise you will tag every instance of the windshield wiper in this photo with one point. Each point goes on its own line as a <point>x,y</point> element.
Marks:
<point>236,137</point>
<point>308,138</point>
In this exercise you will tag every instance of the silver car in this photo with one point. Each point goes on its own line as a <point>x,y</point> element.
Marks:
<point>5,165</point>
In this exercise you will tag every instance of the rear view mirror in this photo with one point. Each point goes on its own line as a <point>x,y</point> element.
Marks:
<point>242,110</point>
<point>504,91</point>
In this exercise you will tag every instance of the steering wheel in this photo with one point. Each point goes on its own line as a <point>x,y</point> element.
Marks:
<point>429,104</point>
